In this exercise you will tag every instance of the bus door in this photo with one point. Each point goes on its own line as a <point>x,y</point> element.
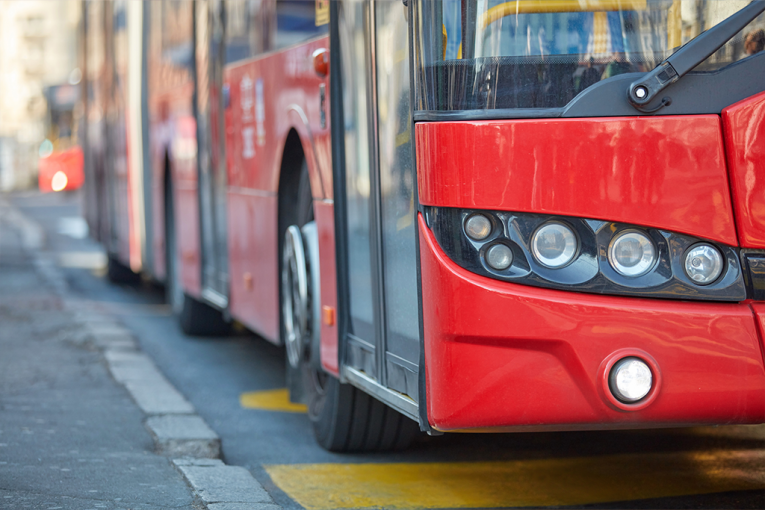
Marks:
<point>209,54</point>
<point>382,341</point>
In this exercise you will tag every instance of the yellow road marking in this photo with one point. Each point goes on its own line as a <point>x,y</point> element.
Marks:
<point>522,483</point>
<point>270,400</point>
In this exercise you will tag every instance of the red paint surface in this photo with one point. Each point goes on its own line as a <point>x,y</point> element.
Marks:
<point>759,312</point>
<point>253,249</point>
<point>170,136</point>
<point>744,125</point>
<point>663,172</point>
<point>290,102</point>
<point>69,161</point>
<point>325,224</point>
<point>183,166</point>
<point>500,355</point>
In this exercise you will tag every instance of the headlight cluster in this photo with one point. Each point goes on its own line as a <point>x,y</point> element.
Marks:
<point>588,255</point>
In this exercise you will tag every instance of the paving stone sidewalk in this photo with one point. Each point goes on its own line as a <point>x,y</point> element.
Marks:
<point>70,436</point>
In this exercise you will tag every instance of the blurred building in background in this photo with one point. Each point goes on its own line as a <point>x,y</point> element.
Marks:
<point>38,50</point>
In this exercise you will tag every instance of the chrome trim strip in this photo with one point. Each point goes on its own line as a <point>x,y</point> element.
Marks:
<point>397,401</point>
<point>251,192</point>
<point>215,298</point>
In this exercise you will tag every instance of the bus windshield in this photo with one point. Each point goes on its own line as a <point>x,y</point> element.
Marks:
<point>492,54</point>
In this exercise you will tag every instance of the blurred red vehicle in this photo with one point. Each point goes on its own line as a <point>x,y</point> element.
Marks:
<point>61,170</point>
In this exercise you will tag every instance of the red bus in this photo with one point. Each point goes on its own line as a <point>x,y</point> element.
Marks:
<point>456,215</point>
<point>60,165</point>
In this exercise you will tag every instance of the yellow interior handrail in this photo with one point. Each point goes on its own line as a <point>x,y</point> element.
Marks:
<point>547,6</point>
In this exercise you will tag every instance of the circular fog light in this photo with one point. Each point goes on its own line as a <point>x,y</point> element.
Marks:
<point>478,227</point>
<point>630,380</point>
<point>632,253</point>
<point>554,245</point>
<point>703,264</point>
<point>499,257</point>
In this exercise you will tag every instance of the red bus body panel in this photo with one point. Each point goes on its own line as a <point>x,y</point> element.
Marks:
<point>325,224</point>
<point>183,165</point>
<point>290,87</point>
<point>173,136</point>
<point>663,172</point>
<point>744,124</point>
<point>501,356</point>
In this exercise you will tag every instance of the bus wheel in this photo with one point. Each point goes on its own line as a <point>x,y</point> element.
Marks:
<point>295,298</point>
<point>173,290</point>
<point>344,418</point>
<point>200,319</point>
<point>117,272</point>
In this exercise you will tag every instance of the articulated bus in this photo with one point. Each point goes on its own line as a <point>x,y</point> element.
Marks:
<point>455,215</point>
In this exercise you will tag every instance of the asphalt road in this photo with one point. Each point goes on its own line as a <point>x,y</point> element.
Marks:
<point>721,467</point>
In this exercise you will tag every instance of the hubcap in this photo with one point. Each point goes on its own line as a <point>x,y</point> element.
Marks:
<point>295,301</point>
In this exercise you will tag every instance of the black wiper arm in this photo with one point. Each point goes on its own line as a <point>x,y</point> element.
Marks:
<point>645,90</point>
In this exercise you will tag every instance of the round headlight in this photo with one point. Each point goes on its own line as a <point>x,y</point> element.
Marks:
<point>499,257</point>
<point>703,264</point>
<point>478,227</point>
<point>59,181</point>
<point>632,253</point>
<point>630,380</point>
<point>554,245</point>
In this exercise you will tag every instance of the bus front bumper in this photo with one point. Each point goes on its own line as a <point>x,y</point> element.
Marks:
<point>501,356</point>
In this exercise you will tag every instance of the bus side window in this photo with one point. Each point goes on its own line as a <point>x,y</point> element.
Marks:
<point>296,22</point>
<point>250,28</point>
<point>177,49</point>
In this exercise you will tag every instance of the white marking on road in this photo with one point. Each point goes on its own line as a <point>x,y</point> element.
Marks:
<point>74,227</point>
<point>82,259</point>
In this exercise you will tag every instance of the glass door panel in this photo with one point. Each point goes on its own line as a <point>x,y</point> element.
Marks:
<point>212,172</point>
<point>382,260</point>
<point>396,188</point>
<point>358,170</point>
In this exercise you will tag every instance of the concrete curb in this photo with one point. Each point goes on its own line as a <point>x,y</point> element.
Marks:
<point>183,436</point>
<point>145,383</point>
<point>222,487</point>
<point>171,420</point>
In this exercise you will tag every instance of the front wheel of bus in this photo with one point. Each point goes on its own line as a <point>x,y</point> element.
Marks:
<point>344,418</point>
<point>117,272</point>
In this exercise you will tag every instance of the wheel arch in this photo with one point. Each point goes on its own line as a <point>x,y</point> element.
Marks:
<point>293,157</point>
<point>166,186</point>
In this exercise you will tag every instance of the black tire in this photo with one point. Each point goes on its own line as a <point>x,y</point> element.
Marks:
<point>173,290</point>
<point>195,318</point>
<point>117,272</point>
<point>200,319</point>
<point>344,418</point>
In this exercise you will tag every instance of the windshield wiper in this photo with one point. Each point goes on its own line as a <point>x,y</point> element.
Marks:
<point>645,90</point>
